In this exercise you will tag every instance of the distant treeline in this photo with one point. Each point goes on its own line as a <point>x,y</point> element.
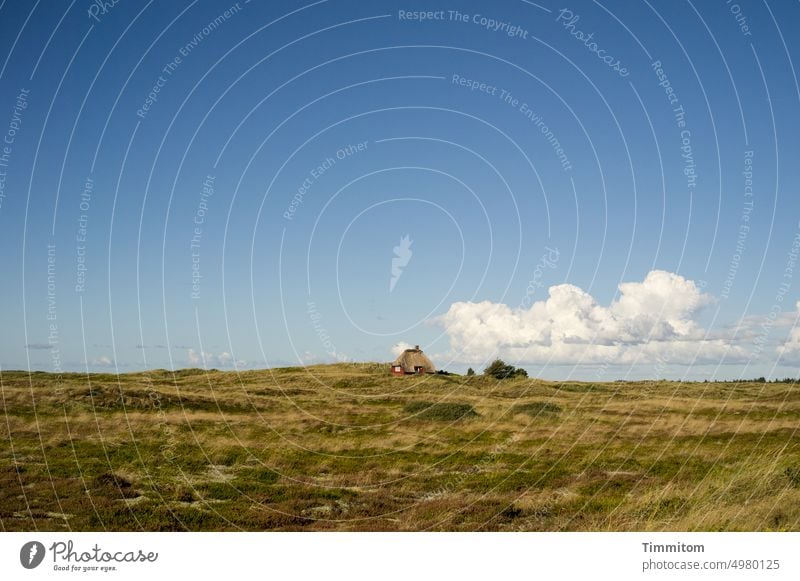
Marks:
<point>756,380</point>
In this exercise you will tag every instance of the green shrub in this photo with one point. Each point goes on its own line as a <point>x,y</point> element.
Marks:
<point>499,369</point>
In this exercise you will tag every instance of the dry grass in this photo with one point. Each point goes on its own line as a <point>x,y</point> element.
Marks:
<point>348,447</point>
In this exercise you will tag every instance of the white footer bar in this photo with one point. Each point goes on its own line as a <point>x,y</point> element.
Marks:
<point>389,556</point>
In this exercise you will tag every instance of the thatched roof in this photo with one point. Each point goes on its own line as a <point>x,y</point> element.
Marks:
<point>411,358</point>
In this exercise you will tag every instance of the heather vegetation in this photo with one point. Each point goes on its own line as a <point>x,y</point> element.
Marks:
<point>349,447</point>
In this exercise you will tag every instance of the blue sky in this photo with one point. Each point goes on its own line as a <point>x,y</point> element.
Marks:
<point>297,144</point>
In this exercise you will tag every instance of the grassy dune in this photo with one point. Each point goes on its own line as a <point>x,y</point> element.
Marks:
<point>348,447</point>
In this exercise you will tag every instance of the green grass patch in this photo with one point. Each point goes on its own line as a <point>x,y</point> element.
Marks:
<point>218,491</point>
<point>446,412</point>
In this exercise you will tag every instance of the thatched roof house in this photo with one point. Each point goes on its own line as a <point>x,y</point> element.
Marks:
<point>412,361</point>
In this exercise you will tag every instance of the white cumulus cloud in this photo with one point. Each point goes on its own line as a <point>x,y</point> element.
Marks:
<point>652,320</point>
<point>212,360</point>
<point>399,347</point>
<point>792,344</point>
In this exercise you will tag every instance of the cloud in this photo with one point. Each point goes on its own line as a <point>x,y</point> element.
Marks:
<point>211,360</point>
<point>792,345</point>
<point>399,347</point>
<point>651,321</point>
<point>38,346</point>
<point>103,361</point>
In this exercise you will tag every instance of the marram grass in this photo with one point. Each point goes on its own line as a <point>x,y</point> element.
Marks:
<point>349,447</point>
